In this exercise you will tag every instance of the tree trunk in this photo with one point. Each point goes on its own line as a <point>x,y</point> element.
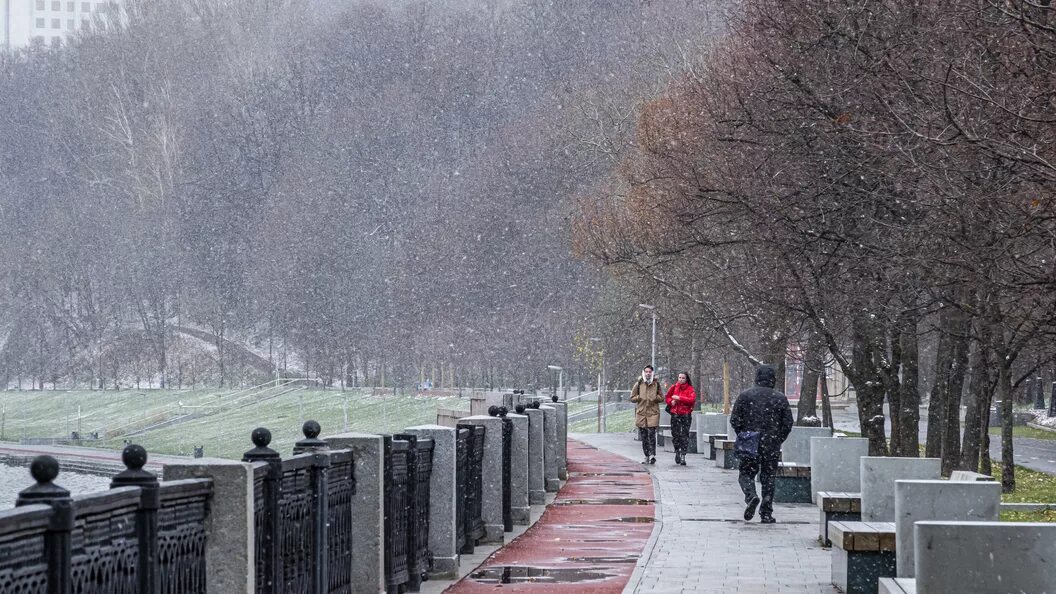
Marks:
<point>813,360</point>
<point>826,403</point>
<point>909,391</point>
<point>777,348</point>
<point>1004,391</point>
<point>978,399</point>
<point>951,429</point>
<point>937,400</point>
<point>868,384</point>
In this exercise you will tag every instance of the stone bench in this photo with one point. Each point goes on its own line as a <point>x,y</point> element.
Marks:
<point>969,476</point>
<point>835,464</point>
<point>792,483</point>
<point>862,553</point>
<point>878,476</point>
<point>664,440</point>
<point>980,557</point>
<point>708,441</point>
<point>837,506</point>
<point>725,456</point>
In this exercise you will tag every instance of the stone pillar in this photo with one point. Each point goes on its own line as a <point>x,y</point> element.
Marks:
<point>443,531</point>
<point>536,481</point>
<point>231,554</point>
<point>796,448</point>
<point>368,521</point>
<point>519,470</point>
<point>878,482</point>
<point>835,464</point>
<point>917,501</point>
<point>551,482</point>
<point>562,439</point>
<point>491,478</point>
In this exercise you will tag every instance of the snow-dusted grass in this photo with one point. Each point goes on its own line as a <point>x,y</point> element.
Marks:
<point>617,422</point>
<point>51,413</point>
<point>226,435</point>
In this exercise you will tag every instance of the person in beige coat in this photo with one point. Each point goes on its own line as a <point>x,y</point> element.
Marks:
<point>647,396</point>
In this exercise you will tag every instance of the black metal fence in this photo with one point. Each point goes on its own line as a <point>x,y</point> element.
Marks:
<point>461,486</point>
<point>302,515</point>
<point>473,525</point>
<point>141,537</point>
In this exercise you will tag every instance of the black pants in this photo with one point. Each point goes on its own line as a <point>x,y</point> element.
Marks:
<point>648,437</point>
<point>680,432</point>
<point>766,467</point>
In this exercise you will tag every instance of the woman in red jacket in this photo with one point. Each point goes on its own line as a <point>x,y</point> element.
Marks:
<point>681,397</point>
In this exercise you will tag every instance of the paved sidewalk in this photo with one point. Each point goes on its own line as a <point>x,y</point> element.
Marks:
<point>701,542</point>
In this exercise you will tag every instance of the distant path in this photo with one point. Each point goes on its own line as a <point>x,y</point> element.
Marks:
<point>1035,454</point>
<point>587,540</point>
<point>96,456</point>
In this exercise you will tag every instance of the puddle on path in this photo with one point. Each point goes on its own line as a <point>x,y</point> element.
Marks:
<point>509,574</point>
<point>633,519</point>
<point>606,559</point>
<point>587,474</point>
<point>606,501</point>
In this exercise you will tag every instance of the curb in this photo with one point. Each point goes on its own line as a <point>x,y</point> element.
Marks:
<point>650,545</point>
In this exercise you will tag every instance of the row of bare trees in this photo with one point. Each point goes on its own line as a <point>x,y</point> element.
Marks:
<point>871,181</point>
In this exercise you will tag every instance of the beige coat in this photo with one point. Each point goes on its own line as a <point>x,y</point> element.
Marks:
<point>648,398</point>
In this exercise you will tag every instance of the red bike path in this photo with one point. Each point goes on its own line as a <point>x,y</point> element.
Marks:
<point>588,540</point>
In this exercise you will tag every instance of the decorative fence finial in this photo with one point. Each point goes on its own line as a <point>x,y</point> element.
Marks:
<point>135,458</point>
<point>493,411</point>
<point>519,409</point>
<point>311,441</point>
<point>261,438</point>
<point>44,470</point>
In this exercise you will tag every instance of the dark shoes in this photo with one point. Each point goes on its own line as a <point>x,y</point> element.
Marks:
<point>749,512</point>
<point>767,519</point>
<point>652,459</point>
<point>680,459</point>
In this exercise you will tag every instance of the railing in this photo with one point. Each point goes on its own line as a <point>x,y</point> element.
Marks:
<point>419,473</point>
<point>461,486</point>
<point>397,479</point>
<point>302,516</point>
<point>507,468</point>
<point>473,517</point>
<point>141,537</point>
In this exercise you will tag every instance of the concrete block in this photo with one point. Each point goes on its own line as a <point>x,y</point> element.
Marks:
<point>708,424</point>
<point>536,480</point>
<point>796,448</point>
<point>917,501</point>
<point>878,482</point>
<point>443,530</point>
<point>491,478</point>
<point>835,464</point>
<point>520,508</point>
<point>551,471</point>
<point>368,521</point>
<point>956,557</point>
<point>231,554</point>
<point>725,456</point>
<point>858,572</point>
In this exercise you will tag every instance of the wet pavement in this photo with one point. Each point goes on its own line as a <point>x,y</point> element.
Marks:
<point>589,540</point>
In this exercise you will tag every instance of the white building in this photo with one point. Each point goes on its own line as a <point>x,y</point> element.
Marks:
<point>49,21</point>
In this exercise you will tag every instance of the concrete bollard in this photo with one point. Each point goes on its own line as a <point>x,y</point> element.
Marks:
<point>231,554</point>
<point>368,523</point>
<point>562,439</point>
<point>835,464</point>
<point>878,482</point>
<point>917,501</point>
<point>520,508</point>
<point>491,477</point>
<point>443,530</point>
<point>551,471</point>
<point>796,448</point>
<point>536,479</point>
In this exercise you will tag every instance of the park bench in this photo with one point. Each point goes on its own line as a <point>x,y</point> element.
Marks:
<point>980,557</point>
<point>708,440</point>
<point>862,553</point>
<point>725,456</point>
<point>837,506</point>
<point>792,483</point>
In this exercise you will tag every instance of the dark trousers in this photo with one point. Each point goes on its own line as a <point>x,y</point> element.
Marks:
<point>648,437</point>
<point>766,467</point>
<point>680,432</point>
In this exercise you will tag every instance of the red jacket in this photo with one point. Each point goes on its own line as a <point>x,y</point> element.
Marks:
<point>686,397</point>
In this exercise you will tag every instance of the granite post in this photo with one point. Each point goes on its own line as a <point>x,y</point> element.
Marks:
<point>231,554</point>
<point>520,509</point>
<point>368,521</point>
<point>491,478</point>
<point>562,439</point>
<point>443,531</point>
<point>536,481</point>
<point>550,466</point>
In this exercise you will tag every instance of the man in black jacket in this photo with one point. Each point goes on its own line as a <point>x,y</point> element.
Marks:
<point>765,410</point>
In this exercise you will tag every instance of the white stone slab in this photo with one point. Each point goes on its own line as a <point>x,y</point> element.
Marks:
<point>956,557</point>
<point>796,448</point>
<point>835,464</point>
<point>879,474</point>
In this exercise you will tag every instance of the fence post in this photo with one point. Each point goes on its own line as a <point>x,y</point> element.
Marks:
<point>272,493</point>
<point>134,458</point>
<point>368,563</point>
<point>443,503</point>
<point>320,489</point>
<point>58,541</point>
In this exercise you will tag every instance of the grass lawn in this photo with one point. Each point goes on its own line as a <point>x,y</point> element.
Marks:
<point>1024,431</point>
<point>1031,487</point>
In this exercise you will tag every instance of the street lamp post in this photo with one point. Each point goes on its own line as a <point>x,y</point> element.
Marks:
<point>601,388</point>
<point>652,309</point>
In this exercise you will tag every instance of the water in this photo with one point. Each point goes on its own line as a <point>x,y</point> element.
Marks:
<point>15,478</point>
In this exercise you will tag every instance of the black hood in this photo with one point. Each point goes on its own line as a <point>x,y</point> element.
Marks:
<point>765,375</point>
